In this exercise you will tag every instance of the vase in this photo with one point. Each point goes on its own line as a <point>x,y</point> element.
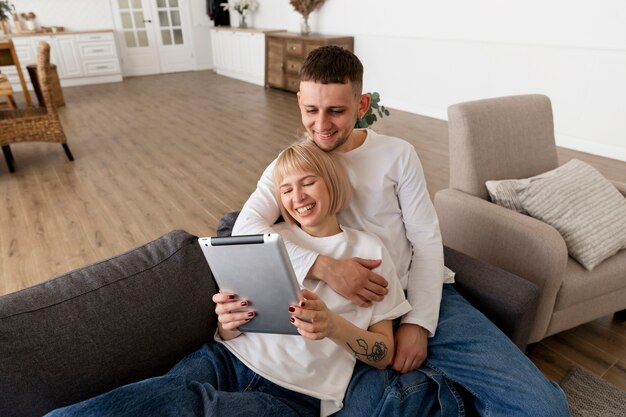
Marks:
<point>304,26</point>
<point>242,22</point>
<point>30,25</point>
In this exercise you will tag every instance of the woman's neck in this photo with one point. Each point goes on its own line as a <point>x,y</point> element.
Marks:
<point>329,227</point>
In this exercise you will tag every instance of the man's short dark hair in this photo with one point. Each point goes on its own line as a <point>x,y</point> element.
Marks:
<point>333,65</point>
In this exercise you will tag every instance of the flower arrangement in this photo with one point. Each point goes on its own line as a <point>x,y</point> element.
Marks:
<point>243,7</point>
<point>29,20</point>
<point>28,16</point>
<point>305,7</point>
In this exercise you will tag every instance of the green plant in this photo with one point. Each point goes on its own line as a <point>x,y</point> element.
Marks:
<point>6,8</point>
<point>369,117</point>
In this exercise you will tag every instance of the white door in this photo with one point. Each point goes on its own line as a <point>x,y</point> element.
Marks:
<point>154,36</point>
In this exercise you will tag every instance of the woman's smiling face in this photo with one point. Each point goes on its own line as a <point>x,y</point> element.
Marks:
<point>305,197</point>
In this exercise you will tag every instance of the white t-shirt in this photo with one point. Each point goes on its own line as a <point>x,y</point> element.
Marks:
<point>389,200</point>
<point>321,368</point>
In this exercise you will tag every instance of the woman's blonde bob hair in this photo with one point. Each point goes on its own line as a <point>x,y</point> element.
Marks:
<point>305,156</point>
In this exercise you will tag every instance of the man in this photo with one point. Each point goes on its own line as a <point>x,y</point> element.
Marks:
<point>391,200</point>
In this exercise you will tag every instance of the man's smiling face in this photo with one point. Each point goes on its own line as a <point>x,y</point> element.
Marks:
<point>329,112</point>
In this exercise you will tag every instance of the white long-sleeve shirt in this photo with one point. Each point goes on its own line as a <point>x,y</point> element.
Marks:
<point>390,200</point>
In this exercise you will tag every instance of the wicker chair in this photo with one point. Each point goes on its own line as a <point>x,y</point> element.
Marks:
<point>34,124</point>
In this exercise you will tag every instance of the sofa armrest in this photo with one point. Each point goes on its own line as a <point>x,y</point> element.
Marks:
<point>509,301</point>
<point>117,321</point>
<point>517,243</point>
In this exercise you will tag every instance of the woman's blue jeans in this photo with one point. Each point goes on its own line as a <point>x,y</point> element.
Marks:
<point>467,350</point>
<point>208,382</point>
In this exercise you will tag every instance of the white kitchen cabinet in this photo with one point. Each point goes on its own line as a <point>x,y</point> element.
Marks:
<point>67,60</point>
<point>240,53</point>
<point>81,57</point>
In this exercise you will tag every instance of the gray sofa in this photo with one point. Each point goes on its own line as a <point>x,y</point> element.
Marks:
<point>135,315</point>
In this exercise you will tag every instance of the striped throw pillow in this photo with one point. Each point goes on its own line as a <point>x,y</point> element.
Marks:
<point>588,211</point>
<point>505,192</point>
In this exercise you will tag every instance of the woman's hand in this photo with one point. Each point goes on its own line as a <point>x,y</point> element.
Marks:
<point>312,318</point>
<point>231,313</point>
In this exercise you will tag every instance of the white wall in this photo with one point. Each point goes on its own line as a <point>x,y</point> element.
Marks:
<point>424,55</point>
<point>72,14</point>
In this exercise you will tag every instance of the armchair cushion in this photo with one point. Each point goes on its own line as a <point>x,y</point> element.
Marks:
<point>584,207</point>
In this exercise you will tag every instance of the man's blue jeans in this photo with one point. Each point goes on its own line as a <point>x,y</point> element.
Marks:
<point>208,382</point>
<point>470,351</point>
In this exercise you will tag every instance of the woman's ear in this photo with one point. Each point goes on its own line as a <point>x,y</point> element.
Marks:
<point>364,104</point>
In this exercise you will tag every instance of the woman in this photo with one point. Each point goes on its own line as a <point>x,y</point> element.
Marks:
<point>312,187</point>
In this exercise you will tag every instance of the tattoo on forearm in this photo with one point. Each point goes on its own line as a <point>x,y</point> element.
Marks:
<point>377,353</point>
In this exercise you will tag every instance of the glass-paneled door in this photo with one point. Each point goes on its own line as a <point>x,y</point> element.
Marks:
<point>174,34</point>
<point>154,35</point>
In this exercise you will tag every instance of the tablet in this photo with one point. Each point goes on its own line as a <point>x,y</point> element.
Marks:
<point>256,267</point>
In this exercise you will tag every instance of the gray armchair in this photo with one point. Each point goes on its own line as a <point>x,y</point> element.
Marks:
<point>506,138</point>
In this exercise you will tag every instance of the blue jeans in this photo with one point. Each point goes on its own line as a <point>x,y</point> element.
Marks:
<point>208,382</point>
<point>470,351</point>
<point>424,393</point>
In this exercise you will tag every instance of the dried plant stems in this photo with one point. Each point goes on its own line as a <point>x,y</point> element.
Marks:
<point>305,7</point>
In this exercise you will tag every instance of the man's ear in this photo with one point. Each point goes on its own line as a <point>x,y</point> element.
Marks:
<point>299,99</point>
<point>364,104</point>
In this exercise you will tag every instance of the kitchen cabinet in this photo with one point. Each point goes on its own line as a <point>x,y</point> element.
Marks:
<point>85,57</point>
<point>240,53</point>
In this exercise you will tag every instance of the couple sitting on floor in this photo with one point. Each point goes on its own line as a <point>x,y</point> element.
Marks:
<point>350,359</point>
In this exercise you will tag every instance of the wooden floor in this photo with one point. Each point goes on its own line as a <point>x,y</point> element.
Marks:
<point>176,152</point>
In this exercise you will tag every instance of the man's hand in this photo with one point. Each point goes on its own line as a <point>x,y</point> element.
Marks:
<point>352,278</point>
<point>411,347</point>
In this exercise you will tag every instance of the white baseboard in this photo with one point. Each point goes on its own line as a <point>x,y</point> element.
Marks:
<point>250,78</point>
<point>594,148</point>
<point>203,67</point>
<point>72,82</point>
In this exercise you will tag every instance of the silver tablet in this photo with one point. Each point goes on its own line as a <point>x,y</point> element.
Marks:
<point>256,267</point>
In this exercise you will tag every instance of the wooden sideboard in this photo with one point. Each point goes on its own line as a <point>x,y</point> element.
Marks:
<point>285,53</point>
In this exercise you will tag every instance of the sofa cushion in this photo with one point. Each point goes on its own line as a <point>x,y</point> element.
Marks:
<point>121,320</point>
